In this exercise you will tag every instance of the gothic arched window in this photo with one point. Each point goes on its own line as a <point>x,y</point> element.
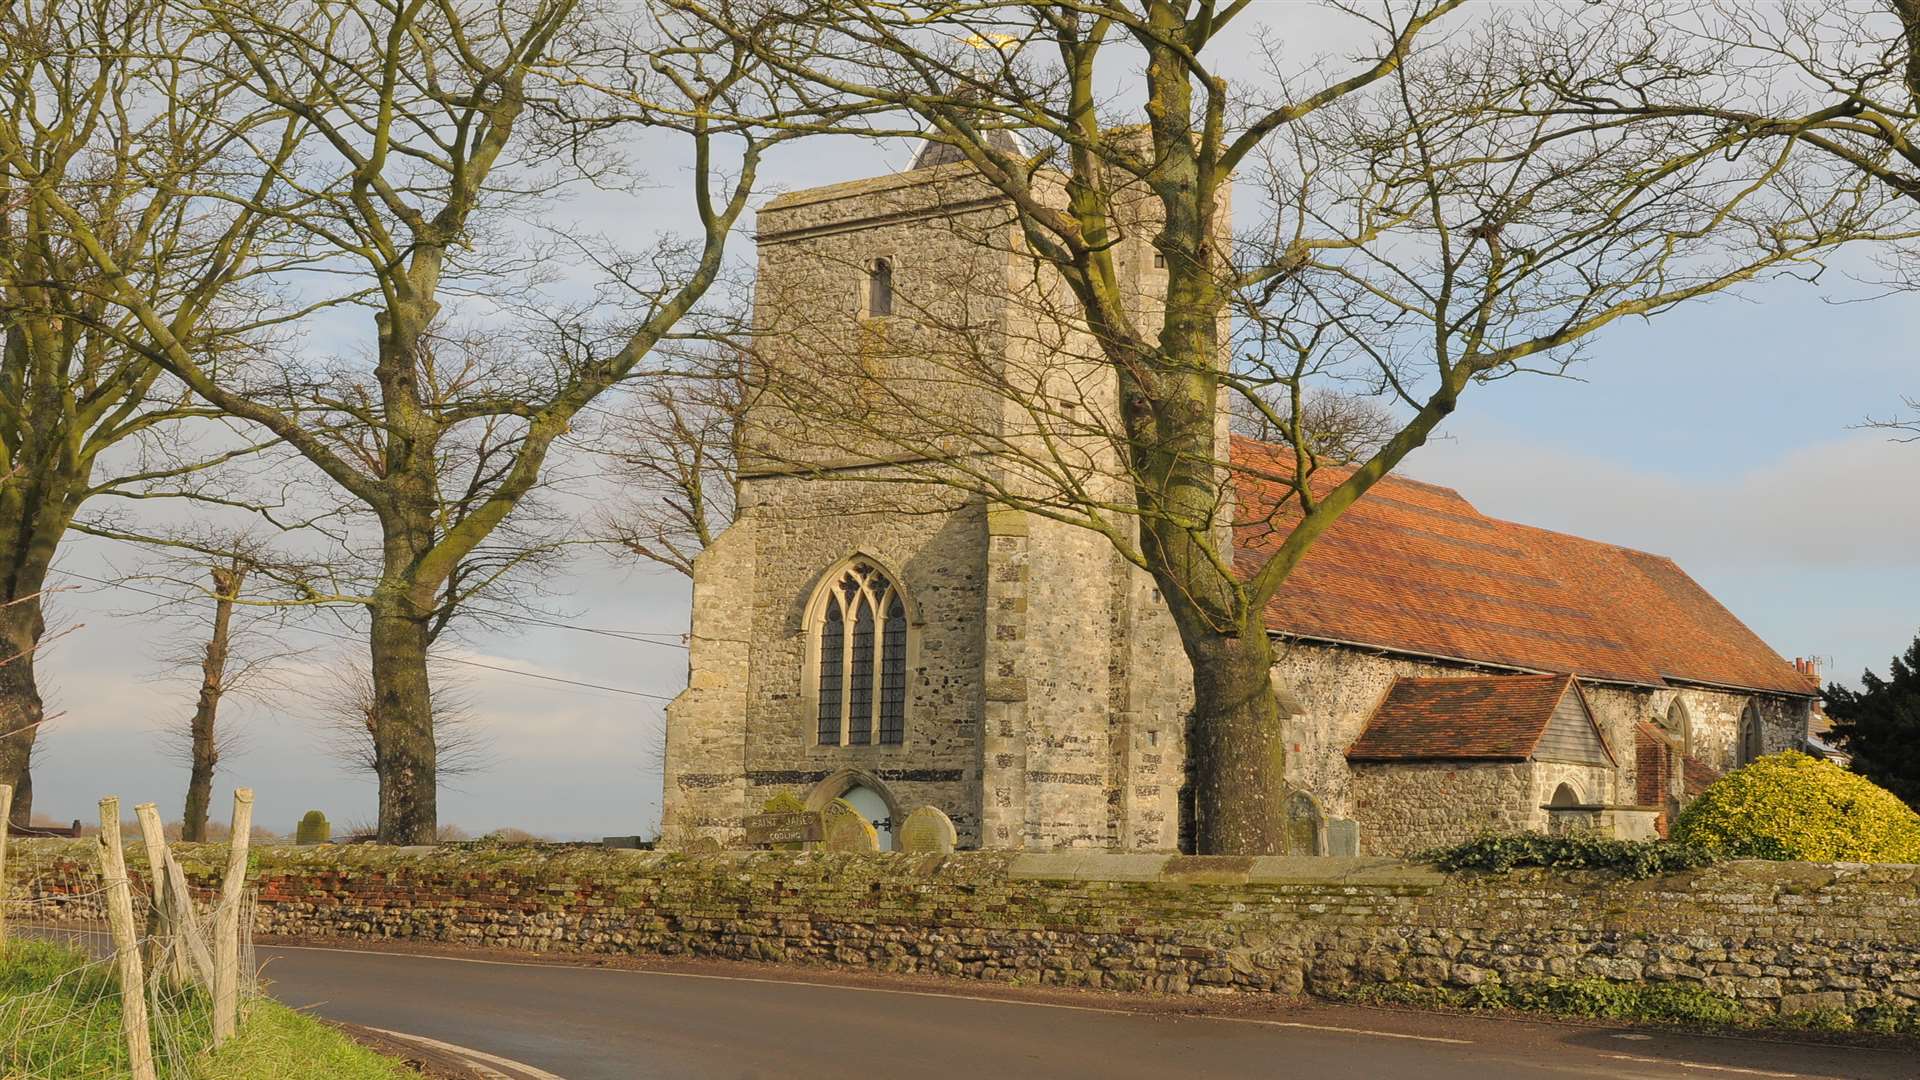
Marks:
<point>862,646</point>
<point>879,288</point>
<point>1753,739</point>
<point>1679,726</point>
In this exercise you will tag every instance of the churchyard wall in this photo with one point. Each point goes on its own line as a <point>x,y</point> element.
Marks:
<point>1777,936</point>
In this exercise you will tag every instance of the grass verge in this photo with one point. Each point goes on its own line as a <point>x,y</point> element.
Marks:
<point>60,1018</point>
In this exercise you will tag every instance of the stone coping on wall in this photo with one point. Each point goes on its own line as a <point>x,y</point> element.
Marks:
<point>1049,866</point>
<point>1219,869</point>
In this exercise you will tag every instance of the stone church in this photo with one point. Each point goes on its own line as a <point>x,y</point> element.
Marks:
<point>1443,673</point>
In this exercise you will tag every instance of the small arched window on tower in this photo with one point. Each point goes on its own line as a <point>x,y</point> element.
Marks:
<point>879,288</point>
<point>1753,736</point>
<point>861,634</point>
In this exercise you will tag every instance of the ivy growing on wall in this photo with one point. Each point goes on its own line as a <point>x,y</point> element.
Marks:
<point>1630,858</point>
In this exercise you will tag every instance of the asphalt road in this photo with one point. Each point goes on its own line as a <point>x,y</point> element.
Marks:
<point>584,1023</point>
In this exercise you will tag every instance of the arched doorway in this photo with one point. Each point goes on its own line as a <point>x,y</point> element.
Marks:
<point>874,809</point>
<point>867,794</point>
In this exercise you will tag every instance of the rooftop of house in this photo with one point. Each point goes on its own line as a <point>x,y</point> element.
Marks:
<point>1413,568</point>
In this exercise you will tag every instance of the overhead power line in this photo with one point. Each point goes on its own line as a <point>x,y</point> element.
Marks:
<point>441,659</point>
<point>666,639</point>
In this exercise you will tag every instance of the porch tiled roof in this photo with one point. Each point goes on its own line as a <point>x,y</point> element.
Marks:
<point>1482,718</point>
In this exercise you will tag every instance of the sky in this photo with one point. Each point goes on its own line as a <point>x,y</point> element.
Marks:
<point>1723,434</point>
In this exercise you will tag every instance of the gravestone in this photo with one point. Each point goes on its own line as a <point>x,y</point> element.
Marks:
<point>1306,825</point>
<point>844,828</point>
<point>1343,836</point>
<point>927,831</point>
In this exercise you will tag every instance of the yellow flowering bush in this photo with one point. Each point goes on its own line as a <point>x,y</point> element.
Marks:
<point>1791,806</point>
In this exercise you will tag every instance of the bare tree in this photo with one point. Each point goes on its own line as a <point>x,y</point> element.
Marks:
<point>1426,222</point>
<point>345,711</point>
<point>239,652</point>
<point>1905,429</point>
<point>1339,427</point>
<point>1836,81</point>
<point>11,659</point>
<point>672,458</point>
<point>421,130</point>
<point>85,412</point>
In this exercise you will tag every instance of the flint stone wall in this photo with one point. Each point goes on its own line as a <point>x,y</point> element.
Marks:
<point>1414,806</point>
<point>1777,936</point>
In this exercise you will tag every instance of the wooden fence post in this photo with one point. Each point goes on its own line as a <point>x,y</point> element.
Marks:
<point>196,957</point>
<point>226,935</point>
<point>163,946</point>
<point>126,947</point>
<point>6,809</point>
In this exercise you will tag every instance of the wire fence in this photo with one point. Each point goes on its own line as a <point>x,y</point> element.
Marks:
<point>75,938</point>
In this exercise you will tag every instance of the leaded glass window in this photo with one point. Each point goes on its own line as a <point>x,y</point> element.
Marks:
<point>863,660</point>
<point>893,674</point>
<point>832,656</point>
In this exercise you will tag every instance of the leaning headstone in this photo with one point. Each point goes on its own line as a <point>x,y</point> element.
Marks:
<point>927,831</point>
<point>1306,825</point>
<point>1343,836</point>
<point>844,828</point>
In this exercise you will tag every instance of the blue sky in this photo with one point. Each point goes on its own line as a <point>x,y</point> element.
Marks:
<point>1718,434</point>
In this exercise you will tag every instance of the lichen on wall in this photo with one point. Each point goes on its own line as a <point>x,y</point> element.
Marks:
<point>1775,936</point>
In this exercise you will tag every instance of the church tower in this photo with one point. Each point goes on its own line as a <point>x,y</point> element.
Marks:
<point>875,625</point>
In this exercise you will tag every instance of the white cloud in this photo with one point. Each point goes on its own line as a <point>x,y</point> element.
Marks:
<point>1813,548</point>
<point>1849,502</point>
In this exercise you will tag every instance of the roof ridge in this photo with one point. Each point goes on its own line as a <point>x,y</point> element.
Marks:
<point>1584,539</point>
<point>1488,677</point>
<point>1389,478</point>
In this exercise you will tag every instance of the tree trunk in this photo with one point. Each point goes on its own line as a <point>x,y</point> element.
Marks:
<point>405,755</point>
<point>1238,748</point>
<point>205,746</point>
<point>21,628</point>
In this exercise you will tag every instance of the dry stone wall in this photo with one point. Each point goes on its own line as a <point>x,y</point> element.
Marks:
<point>1776,936</point>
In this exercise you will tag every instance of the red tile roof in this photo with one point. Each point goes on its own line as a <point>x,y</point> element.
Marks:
<point>1476,718</point>
<point>1414,568</point>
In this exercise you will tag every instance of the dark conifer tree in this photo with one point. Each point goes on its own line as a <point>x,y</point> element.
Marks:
<point>1880,725</point>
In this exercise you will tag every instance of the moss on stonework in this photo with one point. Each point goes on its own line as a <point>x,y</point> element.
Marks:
<point>1668,948</point>
<point>1673,1004</point>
